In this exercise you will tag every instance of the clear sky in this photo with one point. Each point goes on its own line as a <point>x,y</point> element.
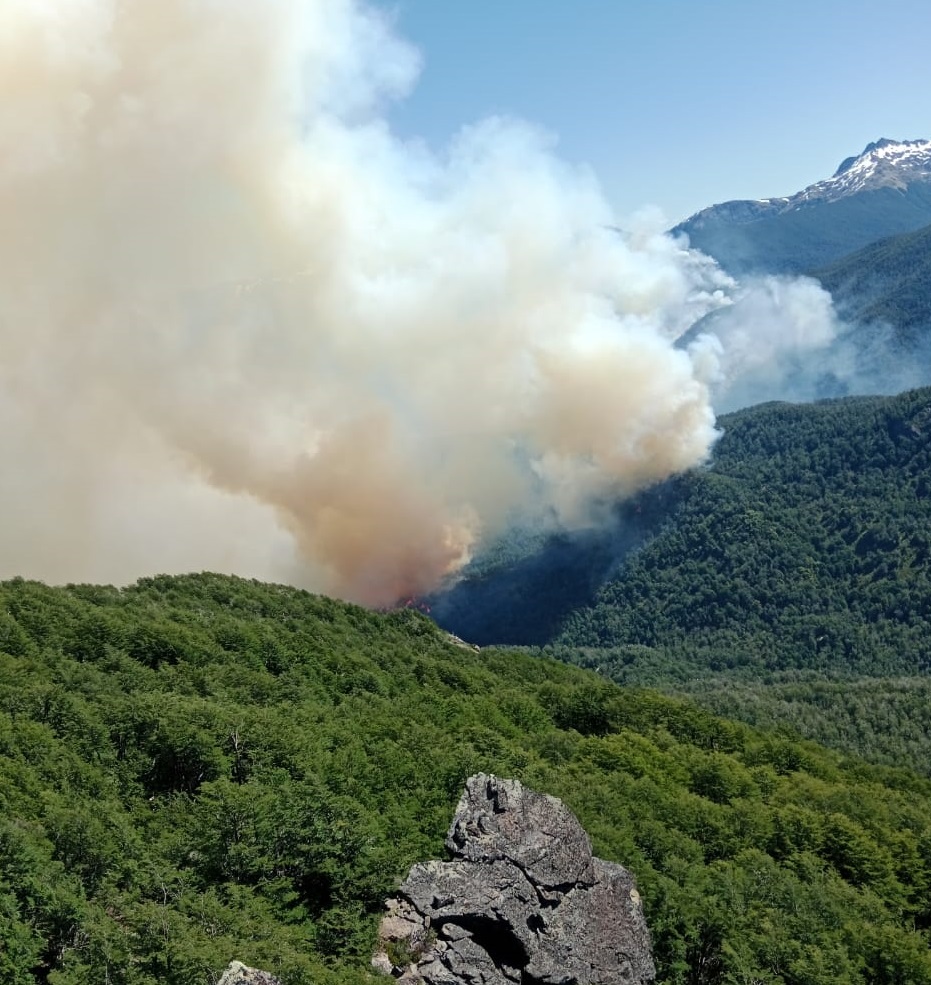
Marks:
<point>677,103</point>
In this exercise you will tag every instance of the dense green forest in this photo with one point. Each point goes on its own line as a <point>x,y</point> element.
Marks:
<point>200,768</point>
<point>787,583</point>
<point>889,282</point>
<point>791,583</point>
<point>884,720</point>
<point>806,544</point>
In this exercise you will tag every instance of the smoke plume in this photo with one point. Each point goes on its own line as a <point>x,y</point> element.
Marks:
<point>777,338</point>
<point>245,328</point>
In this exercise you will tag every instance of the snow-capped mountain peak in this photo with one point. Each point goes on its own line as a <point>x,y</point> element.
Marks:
<point>883,191</point>
<point>906,152</point>
<point>884,163</point>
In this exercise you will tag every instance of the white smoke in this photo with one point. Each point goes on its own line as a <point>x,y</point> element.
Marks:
<point>244,328</point>
<point>764,343</point>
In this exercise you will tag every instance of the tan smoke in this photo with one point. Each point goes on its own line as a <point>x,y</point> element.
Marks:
<point>244,328</point>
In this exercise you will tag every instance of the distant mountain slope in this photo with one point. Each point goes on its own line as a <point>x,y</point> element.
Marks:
<point>888,281</point>
<point>883,191</point>
<point>789,583</point>
<point>806,544</point>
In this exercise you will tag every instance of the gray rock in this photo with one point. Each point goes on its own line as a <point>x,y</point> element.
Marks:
<point>238,974</point>
<point>522,901</point>
<point>502,819</point>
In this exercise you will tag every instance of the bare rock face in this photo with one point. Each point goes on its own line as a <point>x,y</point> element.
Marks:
<point>238,974</point>
<point>523,900</point>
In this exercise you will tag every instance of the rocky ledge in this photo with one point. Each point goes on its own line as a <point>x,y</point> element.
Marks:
<point>523,900</point>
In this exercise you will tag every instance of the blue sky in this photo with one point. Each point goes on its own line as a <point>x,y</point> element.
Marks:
<point>676,103</point>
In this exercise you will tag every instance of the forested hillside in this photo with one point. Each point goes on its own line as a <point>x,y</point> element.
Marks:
<point>748,237</point>
<point>200,768</point>
<point>887,282</point>
<point>806,544</point>
<point>788,583</point>
<point>791,583</point>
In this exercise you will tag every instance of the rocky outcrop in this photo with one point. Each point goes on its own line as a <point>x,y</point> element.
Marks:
<point>238,974</point>
<point>523,900</point>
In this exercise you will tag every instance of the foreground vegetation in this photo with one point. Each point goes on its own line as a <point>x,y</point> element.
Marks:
<point>201,768</point>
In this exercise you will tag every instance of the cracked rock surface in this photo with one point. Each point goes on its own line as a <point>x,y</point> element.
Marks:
<point>523,900</point>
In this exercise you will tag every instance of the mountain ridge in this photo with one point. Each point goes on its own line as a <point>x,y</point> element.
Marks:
<point>883,191</point>
<point>882,163</point>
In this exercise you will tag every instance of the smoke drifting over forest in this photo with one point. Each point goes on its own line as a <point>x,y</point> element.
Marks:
<point>246,329</point>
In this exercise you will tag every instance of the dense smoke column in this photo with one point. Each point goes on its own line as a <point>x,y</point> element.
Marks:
<point>245,328</point>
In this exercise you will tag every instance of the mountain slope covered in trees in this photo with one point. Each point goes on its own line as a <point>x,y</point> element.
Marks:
<point>791,585</point>
<point>200,768</point>
<point>788,583</point>
<point>797,241</point>
<point>888,282</point>
<point>807,543</point>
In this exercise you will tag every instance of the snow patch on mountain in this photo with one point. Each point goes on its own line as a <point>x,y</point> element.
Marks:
<point>884,163</point>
